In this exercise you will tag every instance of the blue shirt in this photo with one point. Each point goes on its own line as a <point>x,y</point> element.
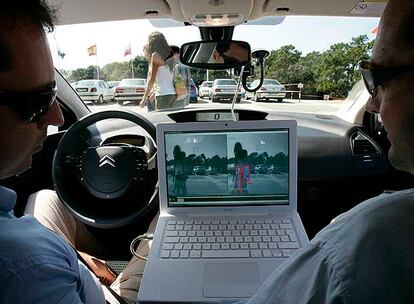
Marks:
<point>365,256</point>
<point>36,265</point>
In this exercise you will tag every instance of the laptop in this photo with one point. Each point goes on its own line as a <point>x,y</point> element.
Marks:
<point>228,213</point>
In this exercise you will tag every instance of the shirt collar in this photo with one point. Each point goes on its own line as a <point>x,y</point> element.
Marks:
<point>7,199</point>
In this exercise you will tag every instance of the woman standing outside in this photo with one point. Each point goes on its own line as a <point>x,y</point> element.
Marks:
<point>160,71</point>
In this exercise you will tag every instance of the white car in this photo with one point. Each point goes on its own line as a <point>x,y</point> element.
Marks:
<point>205,89</point>
<point>270,89</point>
<point>130,89</point>
<point>224,89</point>
<point>96,91</point>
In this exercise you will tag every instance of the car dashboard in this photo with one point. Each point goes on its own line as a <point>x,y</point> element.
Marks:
<point>338,164</point>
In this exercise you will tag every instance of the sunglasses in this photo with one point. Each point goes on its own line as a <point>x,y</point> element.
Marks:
<point>32,106</point>
<point>229,60</point>
<point>374,76</point>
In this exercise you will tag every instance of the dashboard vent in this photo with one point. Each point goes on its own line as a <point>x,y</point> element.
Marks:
<point>362,145</point>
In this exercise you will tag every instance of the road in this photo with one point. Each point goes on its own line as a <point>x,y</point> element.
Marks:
<point>288,105</point>
<point>222,184</point>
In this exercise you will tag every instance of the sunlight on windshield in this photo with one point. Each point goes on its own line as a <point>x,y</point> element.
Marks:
<point>311,67</point>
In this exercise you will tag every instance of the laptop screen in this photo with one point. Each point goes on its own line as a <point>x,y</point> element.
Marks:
<point>227,168</point>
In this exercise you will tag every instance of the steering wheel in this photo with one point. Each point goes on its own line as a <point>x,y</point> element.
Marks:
<point>105,185</point>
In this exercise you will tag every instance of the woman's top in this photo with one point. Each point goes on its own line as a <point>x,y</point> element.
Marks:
<point>165,85</point>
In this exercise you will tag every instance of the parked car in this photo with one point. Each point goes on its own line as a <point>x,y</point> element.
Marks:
<point>113,85</point>
<point>193,92</point>
<point>273,169</point>
<point>271,89</point>
<point>211,171</point>
<point>130,89</point>
<point>199,170</point>
<point>260,169</point>
<point>94,90</point>
<point>205,89</point>
<point>224,89</point>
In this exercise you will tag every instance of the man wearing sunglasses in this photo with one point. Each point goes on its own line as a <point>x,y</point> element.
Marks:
<point>36,265</point>
<point>366,255</point>
<point>230,53</point>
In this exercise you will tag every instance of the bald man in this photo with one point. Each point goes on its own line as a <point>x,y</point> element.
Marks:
<point>366,255</point>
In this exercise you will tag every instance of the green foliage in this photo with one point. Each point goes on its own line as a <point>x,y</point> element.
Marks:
<point>80,74</point>
<point>282,64</point>
<point>337,70</point>
<point>198,75</point>
<point>332,72</point>
<point>140,67</point>
<point>111,71</point>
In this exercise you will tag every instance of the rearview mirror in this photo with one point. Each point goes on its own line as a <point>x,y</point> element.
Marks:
<point>215,55</point>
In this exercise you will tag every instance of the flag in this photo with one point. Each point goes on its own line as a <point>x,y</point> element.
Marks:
<point>127,50</point>
<point>92,50</point>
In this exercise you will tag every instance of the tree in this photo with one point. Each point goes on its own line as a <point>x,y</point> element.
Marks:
<point>81,74</point>
<point>140,67</point>
<point>116,71</point>
<point>198,75</point>
<point>282,64</point>
<point>337,72</point>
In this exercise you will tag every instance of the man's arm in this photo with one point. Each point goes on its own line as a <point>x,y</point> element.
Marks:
<point>99,268</point>
<point>306,277</point>
<point>50,282</point>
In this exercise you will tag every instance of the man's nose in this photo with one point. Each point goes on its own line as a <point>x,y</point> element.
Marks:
<point>372,105</point>
<point>53,117</point>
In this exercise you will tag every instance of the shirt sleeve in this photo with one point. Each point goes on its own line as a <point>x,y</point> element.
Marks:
<point>306,277</point>
<point>90,289</point>
<point>50,283</point>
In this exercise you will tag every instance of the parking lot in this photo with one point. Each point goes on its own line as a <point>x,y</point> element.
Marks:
<point>288,105</point>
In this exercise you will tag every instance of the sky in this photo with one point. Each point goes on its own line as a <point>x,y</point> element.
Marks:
<point>307,34</point>
<point>223,146</point>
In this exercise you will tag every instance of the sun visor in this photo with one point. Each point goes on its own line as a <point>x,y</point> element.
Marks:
<point>109,10</point>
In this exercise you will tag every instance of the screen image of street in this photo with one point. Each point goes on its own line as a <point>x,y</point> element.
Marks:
<point>222,168</point>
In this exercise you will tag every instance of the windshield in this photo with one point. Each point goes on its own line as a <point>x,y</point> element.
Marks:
<point>316,74</point>
<point>225,82</point>
<point>270,82</point>
<point>207,84</point>
<point>132,82</point>
<point>86,83</point>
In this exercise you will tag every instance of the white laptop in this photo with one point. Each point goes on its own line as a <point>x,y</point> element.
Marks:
<point>228,213</point>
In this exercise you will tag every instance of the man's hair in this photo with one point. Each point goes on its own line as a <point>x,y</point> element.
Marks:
<point>175,49</point>
<point>222,47</point>
<point>37,12</point>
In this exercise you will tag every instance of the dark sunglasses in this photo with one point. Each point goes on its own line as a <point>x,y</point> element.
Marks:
<point>375,76</point>
<point>34,105</point>
<point>229,60</point>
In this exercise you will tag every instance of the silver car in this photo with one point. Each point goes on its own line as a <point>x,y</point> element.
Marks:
<point>130,89</point>
<point>271,89</point>
<point>96,91</point>
<point>205,89</point>
<point>224,89</point>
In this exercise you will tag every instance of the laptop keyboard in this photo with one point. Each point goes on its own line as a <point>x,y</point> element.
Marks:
<point>195,239</point>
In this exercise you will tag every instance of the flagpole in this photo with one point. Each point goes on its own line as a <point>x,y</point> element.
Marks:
<point>132,66</point>
<point>97,62</point>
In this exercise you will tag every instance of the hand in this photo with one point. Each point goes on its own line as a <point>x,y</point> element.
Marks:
<point>100,268</point>
<point>142,103</point>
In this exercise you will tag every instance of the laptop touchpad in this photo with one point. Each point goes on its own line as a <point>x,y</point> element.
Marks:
<point>230,280</point>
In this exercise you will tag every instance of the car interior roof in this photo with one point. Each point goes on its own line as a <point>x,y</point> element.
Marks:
<point>81,11</point>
